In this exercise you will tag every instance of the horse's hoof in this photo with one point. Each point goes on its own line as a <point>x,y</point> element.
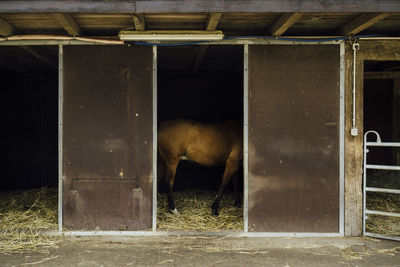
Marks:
<point>215,213</point>
<point>175,211</point>
<point>238,203</point>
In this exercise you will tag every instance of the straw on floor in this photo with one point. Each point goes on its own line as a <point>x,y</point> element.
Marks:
<point>383,202</point>
<point>194,207</point>
<point>383,224</point>
<point>24,216</point>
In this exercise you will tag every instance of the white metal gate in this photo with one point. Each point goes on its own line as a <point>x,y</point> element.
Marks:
<point>366,189</point>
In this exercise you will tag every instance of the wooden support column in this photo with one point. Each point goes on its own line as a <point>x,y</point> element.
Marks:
<point>353,148</point>
<point>211,24</point>
<point>284,23</point>
<point>5,28</point>
<point>139,21</point>
<point>362,22</point>
<point>68,22</point>
<point>369,50</point>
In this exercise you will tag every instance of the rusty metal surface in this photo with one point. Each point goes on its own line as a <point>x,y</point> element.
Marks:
<point>294,138</point>
<point>107,138</point>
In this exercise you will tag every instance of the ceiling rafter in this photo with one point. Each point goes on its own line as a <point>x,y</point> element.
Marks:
<point>211,25</point>
<point>212,21</point>
<point>69,23</point>
<point>5,28</point>
<point>362,22</point>
<point>140,21</point>
<point>41,55</point>
<point>284,22</point>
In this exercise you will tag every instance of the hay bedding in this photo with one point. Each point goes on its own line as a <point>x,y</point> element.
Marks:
<point>383,224</point>
<point>24,216</point>
<point>383,202</point>
<point>194,207</point>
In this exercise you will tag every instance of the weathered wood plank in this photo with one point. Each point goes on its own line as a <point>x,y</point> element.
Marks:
<point>212,21</point>
<point>5,28</point>
<point>283,23</point>
<point>353,150</point>
<point>382,75</point>
<point>362,22</point>
<point>41,55</point>
<point>211,24</point>
<point>139,21</point>
<point>268,6</point>
<point>379,50</point>
<point>124,6</point>
<point>68,22</point>
<point>177,16</point>
<point>369,50</point>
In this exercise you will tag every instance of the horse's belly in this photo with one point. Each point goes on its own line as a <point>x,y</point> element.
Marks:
<point>205,159</point>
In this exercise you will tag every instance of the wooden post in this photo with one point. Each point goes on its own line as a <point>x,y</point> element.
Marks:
<point>369,50</point>
<point>353,148</point>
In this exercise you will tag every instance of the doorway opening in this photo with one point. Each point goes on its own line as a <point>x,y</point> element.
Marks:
<point>382,114</point>
<point>28,188</point>
<point>202,84</point>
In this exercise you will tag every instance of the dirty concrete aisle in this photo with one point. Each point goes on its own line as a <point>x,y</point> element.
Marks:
<point>213,251</point>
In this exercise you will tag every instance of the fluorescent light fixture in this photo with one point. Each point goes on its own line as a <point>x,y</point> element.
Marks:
<point>170,35</point>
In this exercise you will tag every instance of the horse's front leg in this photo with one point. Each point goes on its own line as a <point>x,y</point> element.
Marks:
<point>170,177</point>
<point>235,179</point>
<point>230,168</point>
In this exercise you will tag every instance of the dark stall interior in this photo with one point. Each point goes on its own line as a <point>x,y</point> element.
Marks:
<point>382,108</point>
<point>200,83</point>
<point>29,83</point>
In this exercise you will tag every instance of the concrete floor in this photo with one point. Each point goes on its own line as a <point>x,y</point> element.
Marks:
<point>213,251</point>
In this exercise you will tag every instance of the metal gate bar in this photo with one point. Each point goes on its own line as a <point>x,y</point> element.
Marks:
<point>366,189</point>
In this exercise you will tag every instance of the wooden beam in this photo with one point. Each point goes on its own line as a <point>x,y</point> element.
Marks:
<point>211,24</point>
<point>362,22</point>
<point>68,22</point>
<point>5,28</point>
<point>139,21</point>
<point>212,21</point>
<point>382,75</point>
<point>284,23</point>
<point>41,55</point>
<point>143,6</point>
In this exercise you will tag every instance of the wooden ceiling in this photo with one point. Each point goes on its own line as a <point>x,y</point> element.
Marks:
<point>293,24</point>
<point>231,23</point>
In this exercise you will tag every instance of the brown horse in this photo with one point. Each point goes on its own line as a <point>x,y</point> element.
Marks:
<point>204,144</point>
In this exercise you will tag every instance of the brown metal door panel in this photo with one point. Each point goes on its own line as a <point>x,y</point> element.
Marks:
<point>294,138</point>
<point>107,137</point>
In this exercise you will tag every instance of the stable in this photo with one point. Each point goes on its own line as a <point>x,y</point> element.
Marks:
<point>294,80</point>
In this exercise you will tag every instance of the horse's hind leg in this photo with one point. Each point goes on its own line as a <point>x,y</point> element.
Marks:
<point>230,168</point>
<point>170,177</point>
<point>160,174</point>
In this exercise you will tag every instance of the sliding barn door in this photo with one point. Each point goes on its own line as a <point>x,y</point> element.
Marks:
<point>294,138</point>
<point>107,138</point>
